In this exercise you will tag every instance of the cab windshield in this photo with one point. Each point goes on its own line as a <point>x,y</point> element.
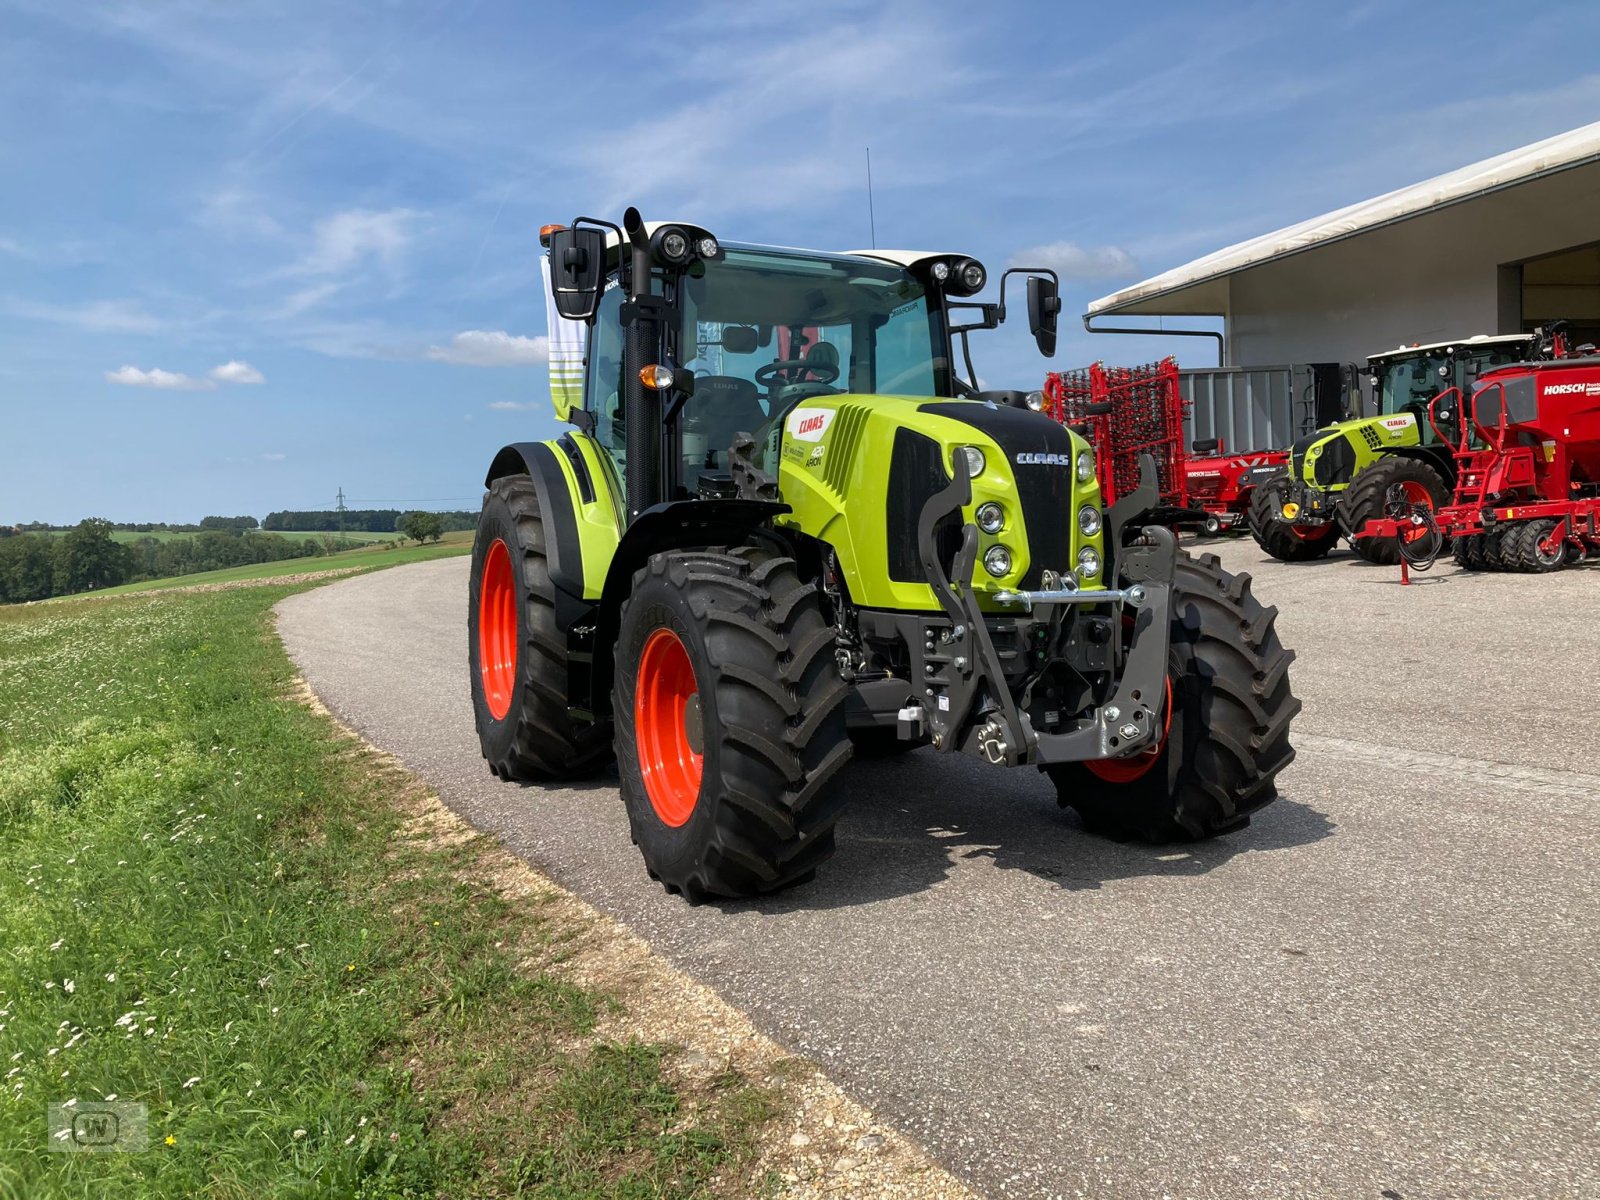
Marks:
<point>1408,384</point>
<point>764,330</point>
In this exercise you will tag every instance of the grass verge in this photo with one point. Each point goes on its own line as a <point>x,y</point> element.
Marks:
<point>214,904</point>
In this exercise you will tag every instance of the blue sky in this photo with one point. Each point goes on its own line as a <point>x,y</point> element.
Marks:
<point>251,253</point>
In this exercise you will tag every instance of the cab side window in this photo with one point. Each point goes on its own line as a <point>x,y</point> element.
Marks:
<point>603,378</point>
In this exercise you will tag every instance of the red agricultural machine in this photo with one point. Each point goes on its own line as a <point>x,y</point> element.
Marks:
<point>1127,412</point>
<point>1527,454</point>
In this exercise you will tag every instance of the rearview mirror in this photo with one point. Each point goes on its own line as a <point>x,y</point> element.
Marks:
<point>739,339</point>
<point>1044,306</point>
<point>577,271</point>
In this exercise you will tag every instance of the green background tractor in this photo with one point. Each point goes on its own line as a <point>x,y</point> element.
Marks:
<point>1339,477</point>
<point>785,527</point>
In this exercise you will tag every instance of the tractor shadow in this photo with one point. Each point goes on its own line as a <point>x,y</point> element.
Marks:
<point>909,821</point>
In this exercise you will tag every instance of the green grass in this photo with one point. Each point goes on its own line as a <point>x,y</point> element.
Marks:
<point>364,559</point>
<point>211,904</point>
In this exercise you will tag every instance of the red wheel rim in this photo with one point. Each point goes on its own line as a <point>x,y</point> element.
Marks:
<point>666,723</point>
<point>1126,770</point>
<point>497,630</point>
<point>1416,493</point>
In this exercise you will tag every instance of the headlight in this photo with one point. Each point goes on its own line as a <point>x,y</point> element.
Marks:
<point>1088,563</point>
<point>1089,520</point>
<point>991,517</point>
<point>1085,465</point>
<point>997,561</point>
<point>975,460</point>
<point>707,247</point>
<point>973,276</point>
<point>1035,401</point>
<point>940,271</point>
<point>674,245</point>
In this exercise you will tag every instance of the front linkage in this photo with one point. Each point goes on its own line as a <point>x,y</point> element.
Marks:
<point>969,704</point>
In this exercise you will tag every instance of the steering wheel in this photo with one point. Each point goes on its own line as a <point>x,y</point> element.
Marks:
<point>768,375</point>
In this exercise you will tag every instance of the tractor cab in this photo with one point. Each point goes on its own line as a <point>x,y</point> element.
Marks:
<point>1407,380</point>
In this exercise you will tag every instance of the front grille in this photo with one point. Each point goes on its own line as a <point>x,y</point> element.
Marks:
<point>915,474</point>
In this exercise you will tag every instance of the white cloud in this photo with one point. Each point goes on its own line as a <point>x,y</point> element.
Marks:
<point>235,371</point>
<point>155,377</point>
<point>305,298</point>
<point>512,406</point>
<point>98,316</point>
<point>1072,261</point>
<point>496,348</point>
<point>347,239</point>
<point>272,457</point>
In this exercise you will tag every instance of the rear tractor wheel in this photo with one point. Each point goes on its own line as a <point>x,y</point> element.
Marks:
<point>1366,499</point>
<point>1283,539</point>
<point>516,652</point>
<point>1227,722</point>
<point>730,724</point>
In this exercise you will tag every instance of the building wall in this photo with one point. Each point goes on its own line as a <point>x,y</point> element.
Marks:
<point>1428,279</point>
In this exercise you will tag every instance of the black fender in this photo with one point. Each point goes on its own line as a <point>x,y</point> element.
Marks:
<point>1436,456</point>
<point>675,525</point>
<point>563,551</point>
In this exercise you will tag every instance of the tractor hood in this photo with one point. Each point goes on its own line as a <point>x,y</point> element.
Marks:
<point>889,454</point>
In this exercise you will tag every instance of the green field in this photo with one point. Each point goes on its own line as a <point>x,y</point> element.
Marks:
<point>128,537</point>
<point>365,559</point>
<point>215,905</point>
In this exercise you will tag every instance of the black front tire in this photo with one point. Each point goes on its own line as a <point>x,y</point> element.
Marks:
<point>1229,733</point>
<point>535,738</point>
<point>1367,496</point>
<point>770,723</point>
<point>1286,542</point>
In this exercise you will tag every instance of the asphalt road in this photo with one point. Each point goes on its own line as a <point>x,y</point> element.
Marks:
<point>1385,987</point>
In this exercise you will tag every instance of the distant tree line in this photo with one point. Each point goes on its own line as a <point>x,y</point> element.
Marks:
<point>360,520</point>
<point>141,526</point>
<point>36,566</point>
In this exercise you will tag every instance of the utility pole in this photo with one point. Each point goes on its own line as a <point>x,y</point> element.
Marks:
<point>341,510</point>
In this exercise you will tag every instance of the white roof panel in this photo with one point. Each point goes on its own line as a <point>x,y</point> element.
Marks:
<point>1558,153</point>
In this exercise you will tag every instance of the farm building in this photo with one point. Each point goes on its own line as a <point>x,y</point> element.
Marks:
<point>1497,247</point>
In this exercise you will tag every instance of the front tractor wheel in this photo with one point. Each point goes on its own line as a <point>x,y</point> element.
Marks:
<point>730,723</point>
<point>1367,499</point>
<point>1227,722</point>
<point>516,652</point>
<point>1283,539</point>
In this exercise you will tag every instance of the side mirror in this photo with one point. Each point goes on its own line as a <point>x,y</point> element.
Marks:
<point>1044,306</point>
<point>577,271</point>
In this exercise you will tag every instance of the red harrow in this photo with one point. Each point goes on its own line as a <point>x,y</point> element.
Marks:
<point>1527,453</point>
<point>1129,411</point>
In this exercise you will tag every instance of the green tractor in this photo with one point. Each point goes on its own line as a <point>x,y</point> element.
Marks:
<point>785,528</point>
<point>1341,476</point>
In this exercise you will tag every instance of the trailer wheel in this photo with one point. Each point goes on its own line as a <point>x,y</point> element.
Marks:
<point>1227,734</point>
<point>1467,550</point>
<point>1284,541</point>
<point>1212,525</point>
<point>730,726</point>
<point>1365,499</point>
<point>1529,544</point>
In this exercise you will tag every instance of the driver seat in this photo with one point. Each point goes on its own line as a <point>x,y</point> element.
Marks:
<point>724,405</point>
